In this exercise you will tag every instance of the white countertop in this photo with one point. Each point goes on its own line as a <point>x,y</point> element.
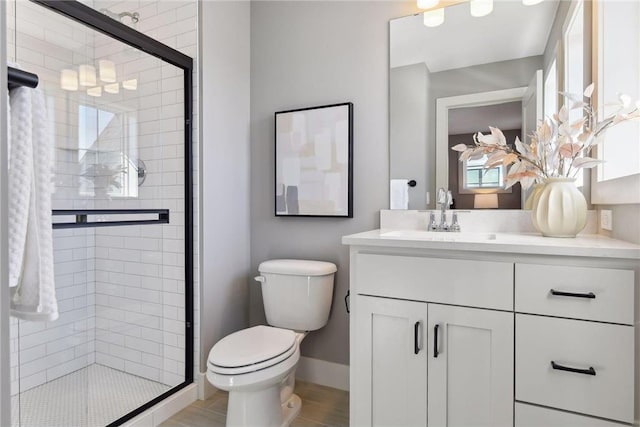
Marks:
<point>521,243</point>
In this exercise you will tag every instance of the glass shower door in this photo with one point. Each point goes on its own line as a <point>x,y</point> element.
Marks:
<point>118,118</point>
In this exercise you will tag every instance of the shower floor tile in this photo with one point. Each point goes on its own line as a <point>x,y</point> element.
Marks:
<point>91,397</point>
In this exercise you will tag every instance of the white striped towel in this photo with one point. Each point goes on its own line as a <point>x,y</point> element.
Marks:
<point>31,275</point>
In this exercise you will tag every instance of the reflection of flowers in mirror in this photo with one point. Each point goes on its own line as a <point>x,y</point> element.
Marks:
<point>558,148</point>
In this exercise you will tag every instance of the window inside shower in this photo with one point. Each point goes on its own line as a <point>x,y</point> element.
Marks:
<point>121,139</point>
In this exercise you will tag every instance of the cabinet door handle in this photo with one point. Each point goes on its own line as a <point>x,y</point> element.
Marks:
<point>435,340</point>
<point>558,367</point>
<point>416,337</point>
<point>589,295</point>
<point>346,301</point>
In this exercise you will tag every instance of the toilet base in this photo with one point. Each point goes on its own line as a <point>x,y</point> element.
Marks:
<point>261,408</point>
<point>290,409</point>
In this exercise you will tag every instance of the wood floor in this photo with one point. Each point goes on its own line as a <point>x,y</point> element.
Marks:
<point>321,407</point>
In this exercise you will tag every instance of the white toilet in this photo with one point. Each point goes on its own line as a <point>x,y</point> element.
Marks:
<point>257,365</point>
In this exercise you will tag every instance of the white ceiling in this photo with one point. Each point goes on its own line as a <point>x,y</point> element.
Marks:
<point>504,116</point>
<point>511,31</point>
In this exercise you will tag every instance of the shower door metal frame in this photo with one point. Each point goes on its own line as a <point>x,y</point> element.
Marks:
<point>127,35</point>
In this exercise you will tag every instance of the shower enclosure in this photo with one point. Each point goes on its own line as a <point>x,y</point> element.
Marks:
<point>120,104</point>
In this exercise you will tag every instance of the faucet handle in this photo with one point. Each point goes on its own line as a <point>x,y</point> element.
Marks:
<point>432,222</point>
<point>455,227</point>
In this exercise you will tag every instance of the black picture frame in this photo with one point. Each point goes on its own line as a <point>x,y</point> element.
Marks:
<point>313,167</point>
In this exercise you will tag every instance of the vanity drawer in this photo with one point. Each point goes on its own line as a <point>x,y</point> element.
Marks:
<point>535,416</point>
<point>450,281</point>
<point>610,292</point>
<point>608,349</point>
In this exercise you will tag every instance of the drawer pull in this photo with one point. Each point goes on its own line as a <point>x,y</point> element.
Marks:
<point>435,340</point>
<point>589,295</point>
<point>558,367</point>
<point>416,329</point>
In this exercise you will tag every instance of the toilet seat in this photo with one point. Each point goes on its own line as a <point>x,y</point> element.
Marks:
<point>251,350</point>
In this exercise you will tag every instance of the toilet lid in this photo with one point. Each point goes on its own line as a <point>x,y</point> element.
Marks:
<point>252,346</point>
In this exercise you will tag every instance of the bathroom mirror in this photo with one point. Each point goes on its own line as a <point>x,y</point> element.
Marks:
<point>449,81</point>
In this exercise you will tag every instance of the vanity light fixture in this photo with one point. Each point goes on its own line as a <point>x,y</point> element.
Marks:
<point>434,17</point>
<point>95,91</point>
<point>131,84</point>
<point>427,4</point>
<point>69,79</point>
<point>107,71</point>
<point>479,8</point>
<point>87,75</point>
<point>531,2</point>
<point>112,88</point>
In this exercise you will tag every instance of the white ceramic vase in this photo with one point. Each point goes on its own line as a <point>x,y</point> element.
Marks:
<point>535,192</point>
<point>560,209</point>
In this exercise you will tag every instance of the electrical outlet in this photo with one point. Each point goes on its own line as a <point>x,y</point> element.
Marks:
<point>606,220</point>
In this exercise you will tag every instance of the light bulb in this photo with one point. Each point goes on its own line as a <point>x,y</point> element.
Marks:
<point>112,88</point>
<point>480,8</point>
<point>531,2</point>
<point>434,17</point>
<point>130,84</point>
<point>95,91</point>
<point>107,71</point>
<point>427,4</point>
<point>87,75</point>
<point>69,79</point>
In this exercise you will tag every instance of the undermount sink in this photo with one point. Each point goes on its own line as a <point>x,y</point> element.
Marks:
<point>439,236</point>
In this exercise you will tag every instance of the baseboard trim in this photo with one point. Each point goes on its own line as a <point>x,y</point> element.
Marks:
<point>324,373</point>
<point>170,406</point>
<point>205,388</point>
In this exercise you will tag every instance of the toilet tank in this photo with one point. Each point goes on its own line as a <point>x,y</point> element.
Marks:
<point>297,293</point>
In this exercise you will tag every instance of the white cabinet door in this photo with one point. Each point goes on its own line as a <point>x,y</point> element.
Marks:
<point>389,385</point>
<point>470,367</point>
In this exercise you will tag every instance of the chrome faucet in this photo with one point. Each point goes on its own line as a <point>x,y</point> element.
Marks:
<point>444,199</point>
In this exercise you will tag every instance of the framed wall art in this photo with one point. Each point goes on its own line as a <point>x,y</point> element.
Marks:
<point>314,161</point>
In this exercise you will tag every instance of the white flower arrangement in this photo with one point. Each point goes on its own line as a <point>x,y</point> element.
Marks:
<point>557,149</point>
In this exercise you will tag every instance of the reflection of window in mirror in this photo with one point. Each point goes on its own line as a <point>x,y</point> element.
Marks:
<point>476,177</point>
<point>107,152</point>
<point>573,37</point>
<point>551,90</point>
<point>617,70</point>
<point>574,55</point>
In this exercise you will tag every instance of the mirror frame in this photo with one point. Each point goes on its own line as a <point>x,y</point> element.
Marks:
<point>626,189</point>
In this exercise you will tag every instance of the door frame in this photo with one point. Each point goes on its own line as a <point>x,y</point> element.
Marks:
<point>443,105</point>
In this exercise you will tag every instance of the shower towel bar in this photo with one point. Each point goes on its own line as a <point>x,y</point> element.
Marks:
<point>82,221</point>
<point>17,78</point>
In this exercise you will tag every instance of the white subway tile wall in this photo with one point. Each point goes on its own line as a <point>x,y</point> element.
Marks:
<point>120,289</point>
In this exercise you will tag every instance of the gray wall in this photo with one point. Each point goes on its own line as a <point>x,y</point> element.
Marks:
<point>409,109</point>
<point>224,170</point>
<point>314,53</point>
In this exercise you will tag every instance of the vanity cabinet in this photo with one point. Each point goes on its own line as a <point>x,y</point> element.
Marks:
<point>421,362</point>
<point>575,340</point>
<point>470,367</point>
<point>392,363</point>
<point>469,338</point>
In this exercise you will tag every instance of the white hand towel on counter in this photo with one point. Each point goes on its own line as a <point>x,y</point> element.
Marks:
<point>31,275</point>
<point>399,194</point>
